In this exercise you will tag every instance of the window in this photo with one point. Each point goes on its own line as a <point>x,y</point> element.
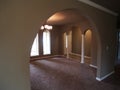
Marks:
<point>46,43</point>
<point>35,47</point>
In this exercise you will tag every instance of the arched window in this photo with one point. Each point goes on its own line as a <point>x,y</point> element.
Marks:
<point>46,43</point>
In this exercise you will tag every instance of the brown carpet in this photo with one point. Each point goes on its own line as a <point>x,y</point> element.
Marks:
<point>66,74</point>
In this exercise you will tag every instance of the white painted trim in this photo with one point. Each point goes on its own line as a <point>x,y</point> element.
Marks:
<point>58,55</point>
<point>82,49</point>
<point>99,7</point>
<point>93,66</point>
<point>80,55</point>
<point>75,54</point>
<point>45,57</point>
<point>87,57</point>
<point>100,79</point>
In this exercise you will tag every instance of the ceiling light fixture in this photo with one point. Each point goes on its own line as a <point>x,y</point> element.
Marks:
<point>46,27</point>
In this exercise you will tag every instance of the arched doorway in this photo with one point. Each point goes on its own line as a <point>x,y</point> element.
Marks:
<point>21,26</point>
<point>64,28</point>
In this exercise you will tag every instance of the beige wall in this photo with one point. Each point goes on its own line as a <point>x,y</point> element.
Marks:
<point>88,43</point>
<point>94,50</point>
<point>76,40</point>
<point>55,43</point>
<point>19,22</point>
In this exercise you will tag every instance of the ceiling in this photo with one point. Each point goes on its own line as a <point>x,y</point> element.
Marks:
<point>65,17</point>
<point>113,5</point>
<point>73,16</point>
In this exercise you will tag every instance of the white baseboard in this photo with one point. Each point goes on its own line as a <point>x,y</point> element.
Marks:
<point>47,56</point>
<point>52,56</point>
<point>87,57</point>
<point>58,55</point>
<point>75,54</point>
<point>102,78</point>
<point>93,66</point>
<point>98,79</point>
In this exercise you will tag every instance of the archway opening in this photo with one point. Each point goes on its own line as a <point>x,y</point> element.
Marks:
<point>66,37</point>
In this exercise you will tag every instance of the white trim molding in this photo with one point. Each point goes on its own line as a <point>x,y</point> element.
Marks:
<point>86,57</point>
<point>45,57</point>
<point>102,78</point>
<point>93,66</point>
<point>93,4</point>
<point>75,54</point>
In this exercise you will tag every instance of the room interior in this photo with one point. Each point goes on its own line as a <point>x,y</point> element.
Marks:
<point>68,22</point>
<point>68,27</point>
<point>21,21</point>
<point>65,42</point>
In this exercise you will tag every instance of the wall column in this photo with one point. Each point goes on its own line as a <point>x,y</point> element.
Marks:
<point>67,42</point>
<point>82,49</point>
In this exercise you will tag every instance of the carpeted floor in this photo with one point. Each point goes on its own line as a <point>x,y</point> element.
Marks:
<point>66,74</point>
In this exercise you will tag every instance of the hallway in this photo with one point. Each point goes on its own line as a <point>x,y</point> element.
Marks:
<point>66,74</point>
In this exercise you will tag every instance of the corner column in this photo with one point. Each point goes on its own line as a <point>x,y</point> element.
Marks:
<point>67,36</point>
<point>82,48</point>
